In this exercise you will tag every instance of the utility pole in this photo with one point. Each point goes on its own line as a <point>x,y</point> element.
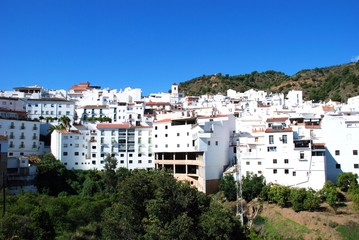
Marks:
<point>3,193</point>
<point>239,195</point>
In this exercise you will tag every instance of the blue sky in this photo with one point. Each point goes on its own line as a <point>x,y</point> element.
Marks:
<point>150,44</point>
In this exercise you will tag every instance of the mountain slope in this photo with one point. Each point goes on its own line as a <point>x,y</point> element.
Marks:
<point>336,82</point>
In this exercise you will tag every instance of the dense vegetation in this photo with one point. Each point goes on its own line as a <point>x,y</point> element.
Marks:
<point>114,204</point>
<point>141,204</point>
<point>337,83</point>
<point>299,199</point>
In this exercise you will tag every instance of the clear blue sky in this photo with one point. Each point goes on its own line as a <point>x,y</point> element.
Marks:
<point>150,44</point>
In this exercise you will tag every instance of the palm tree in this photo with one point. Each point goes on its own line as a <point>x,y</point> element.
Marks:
<point>56,127</point>
<point>65,121</point>
<point>64,124</point>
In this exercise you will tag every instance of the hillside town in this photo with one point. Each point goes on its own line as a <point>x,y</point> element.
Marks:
<point>288,140</point>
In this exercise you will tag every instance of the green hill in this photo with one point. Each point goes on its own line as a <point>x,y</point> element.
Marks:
<point>336,82</point>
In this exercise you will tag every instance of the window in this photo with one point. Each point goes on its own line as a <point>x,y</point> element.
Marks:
<point>166,135</point>
<point>337,166</point>
<point>166,127</point>
<point>187,133</point>
<point>155,135</point>
<point>155,127</point>
<point>150,154</point>
<point>259,172</point>
<point>216,143</point>
<point>286,161</point>
<point>286,171</point>
<point>94,155</point>
<point>149,161</point>
<point>140,155</point>
<point>130,155</point>
<point>166,145</point>
<point>178,145</point>
<point>294,173</point>
<point>259,163</point>
<point>247,163</point>
<point>130,161</point>
<point>178,134</point>
<point>301,155</point>
<point>93,162</point>
<point>64,153</point>
<point>271,139</point>
<point>77,145</point>
<point>139,161</point>
<point>209,143</point>
<point>76,153</point>
<point>274,161</point>
<point>65,145</point>
<point>271,149</point>
<point>274,171</point>
<point>121,161</point>
<point>356,165</point>
<point>256,139</point>
<point>337,152</point>
<point>284,139</point>
<point>355,152</point>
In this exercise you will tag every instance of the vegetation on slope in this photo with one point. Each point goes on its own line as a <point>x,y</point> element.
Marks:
<point>336,82</point>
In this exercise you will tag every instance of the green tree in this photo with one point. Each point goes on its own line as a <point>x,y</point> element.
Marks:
<point>228,185</point>
<point>311,201</point>
<point>346,180</point>
<point>42,225</point>
<point>51,176</point>
<point>110,173</point>
<point>279,194</point>
<point>16,227</point>
<point>252,186</point>
<point>220,223</point>
<point>297,197</point>
<point>330,194</point>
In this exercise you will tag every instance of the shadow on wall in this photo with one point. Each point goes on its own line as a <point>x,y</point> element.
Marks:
<point>332,167</point>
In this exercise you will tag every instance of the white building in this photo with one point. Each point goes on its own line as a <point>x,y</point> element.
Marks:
<point>195,149</point>
<point>86,149</point>
<point>341,134</point>
<point>73,149</point>
<point>23,137</point>
<point>130,145</point>
<point>283,155</point>
<point>50,108</point>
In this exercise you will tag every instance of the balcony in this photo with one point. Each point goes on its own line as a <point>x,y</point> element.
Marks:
<point>22,137</point>
<point>12,126</point>
<point>301,143</point>
<point>34,128</point>
<point>22,127</point>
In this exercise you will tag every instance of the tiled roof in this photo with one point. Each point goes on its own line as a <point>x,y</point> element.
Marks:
<point>163,120</point>
<point>113,125</point>
<point>94,106</point>
<point>270,130</point>
<point>157,103</point>
<point>319,144</point>
<point>282,119</point>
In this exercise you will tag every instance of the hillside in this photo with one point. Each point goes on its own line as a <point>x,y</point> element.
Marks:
<point>325,224</point>
<point>336,82</point>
